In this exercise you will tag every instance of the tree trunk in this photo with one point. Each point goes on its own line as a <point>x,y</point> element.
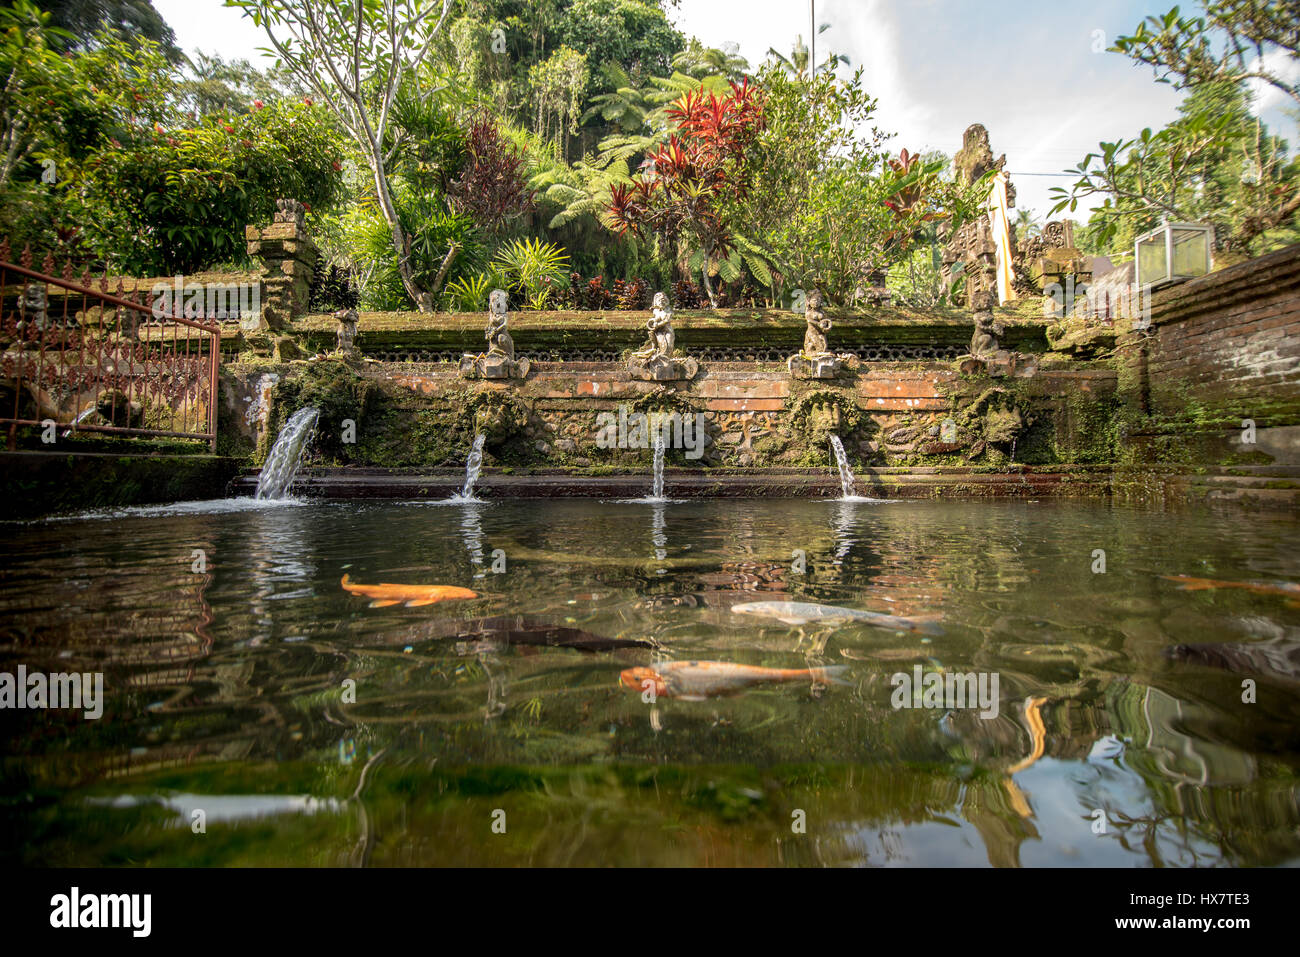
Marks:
<point>401,244</point>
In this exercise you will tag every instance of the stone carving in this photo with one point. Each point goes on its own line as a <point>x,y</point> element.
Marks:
<point>1051,265</point>
<point>499,361</point>
<point>287,256</point>
<point>34,307</point>
<point>655,362</point>
<point>973,246</point>
<point>347,331</point>
<point>290,211</point>
<point>816,361</point>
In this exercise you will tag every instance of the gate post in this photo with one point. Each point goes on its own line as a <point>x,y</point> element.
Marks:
<point>288,258</point>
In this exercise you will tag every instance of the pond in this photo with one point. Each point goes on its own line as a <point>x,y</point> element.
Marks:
<point>257,712</point>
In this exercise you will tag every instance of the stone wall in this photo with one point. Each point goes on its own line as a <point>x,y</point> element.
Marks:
<point>1221,349</point>
<point>754,414</point>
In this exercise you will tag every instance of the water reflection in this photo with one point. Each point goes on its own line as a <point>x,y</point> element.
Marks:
<point>241,664</point>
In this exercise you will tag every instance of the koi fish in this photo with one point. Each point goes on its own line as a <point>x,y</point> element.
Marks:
<point>1285,589</point>
<point>412,596</point>
<point>696,680</point>
<point>490,634</point>
<point>804,613</point>
<point>1278,657</point>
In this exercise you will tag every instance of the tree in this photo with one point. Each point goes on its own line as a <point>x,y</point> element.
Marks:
<point>1216,162</point>
<point>356,55</point>
<point>128,19</point>
<point>680,193</point>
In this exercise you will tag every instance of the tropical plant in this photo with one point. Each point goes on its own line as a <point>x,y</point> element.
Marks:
<point>533,269</point>
<point>491,188</point>
<point>679,195</point>
<point>470,293</point>
<point>1217,162</point>
<point>178,200</point>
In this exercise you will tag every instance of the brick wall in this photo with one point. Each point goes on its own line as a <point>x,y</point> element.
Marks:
<point>1223,347</point>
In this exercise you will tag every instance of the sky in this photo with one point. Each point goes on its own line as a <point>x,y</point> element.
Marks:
<point>1029,70</point>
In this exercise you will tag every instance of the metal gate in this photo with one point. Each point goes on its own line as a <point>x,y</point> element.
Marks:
<point>85,359</point>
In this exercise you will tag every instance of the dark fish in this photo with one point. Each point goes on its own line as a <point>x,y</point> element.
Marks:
<point>1279,657</point>
<point>518,630</point>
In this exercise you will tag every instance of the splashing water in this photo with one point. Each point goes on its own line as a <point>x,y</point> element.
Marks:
<point>842,463</point>
<point>657,485</point>
<point>473,466</point>
<point>286,455</point>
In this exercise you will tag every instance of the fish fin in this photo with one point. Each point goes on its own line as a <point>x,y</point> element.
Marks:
<point>420,602</point>
<point>831,674</point>
<point>690,697</point>
<point>794,621</point>
<point>383,603</point>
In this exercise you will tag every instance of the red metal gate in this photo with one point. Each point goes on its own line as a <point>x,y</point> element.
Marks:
<point>99,361</point>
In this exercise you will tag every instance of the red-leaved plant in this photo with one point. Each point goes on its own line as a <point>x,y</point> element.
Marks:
<point>676,195</point>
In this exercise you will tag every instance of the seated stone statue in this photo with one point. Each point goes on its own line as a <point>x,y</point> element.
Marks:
<point>662,339</point>
<point>816,361</point>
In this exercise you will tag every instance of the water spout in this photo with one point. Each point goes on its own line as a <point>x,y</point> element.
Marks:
<point>657,485</point>
<point>286,455</point>
<point>842,463</point>
<point>473,466</point>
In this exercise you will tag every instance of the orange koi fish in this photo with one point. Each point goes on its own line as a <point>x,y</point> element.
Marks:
<point>413,596</point>
<point>697,680</point>
<point>1285,589</point>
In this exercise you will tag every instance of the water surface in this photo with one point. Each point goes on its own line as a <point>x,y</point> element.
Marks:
<point>230,688</point>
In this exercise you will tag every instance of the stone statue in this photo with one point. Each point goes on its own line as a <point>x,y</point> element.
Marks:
<point>814,337</point>
<point>34,307</point>
<point>499,361</point>
<point>655,362</point>
<point>660,326</point>
<point>290,211</point>
<point>497,335</point>
<point>347,331</point>
<point>816,361</point>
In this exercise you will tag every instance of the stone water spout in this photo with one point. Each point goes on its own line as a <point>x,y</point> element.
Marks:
<point>473,467</point>
<point>847,483</point>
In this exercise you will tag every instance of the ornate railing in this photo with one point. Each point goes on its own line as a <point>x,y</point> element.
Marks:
<point>73,357</point>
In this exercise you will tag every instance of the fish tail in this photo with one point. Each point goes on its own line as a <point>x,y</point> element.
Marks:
<point>829,673</point>
<point>346,582</point>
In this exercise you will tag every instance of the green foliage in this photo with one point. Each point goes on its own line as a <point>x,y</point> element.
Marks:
<point>533,269</point>
<point>130,20</point>
<point>1217,162</point>
<point>829,207</point>
<point>178,201</point>
<point>470,293</point>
